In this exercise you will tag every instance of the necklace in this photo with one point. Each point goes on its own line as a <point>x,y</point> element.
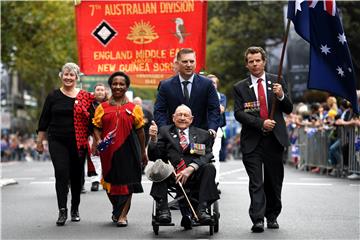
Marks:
<point>115,103</point>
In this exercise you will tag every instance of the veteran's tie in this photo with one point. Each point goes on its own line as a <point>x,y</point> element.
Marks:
<point>262,100</point>
<point>183,141</point>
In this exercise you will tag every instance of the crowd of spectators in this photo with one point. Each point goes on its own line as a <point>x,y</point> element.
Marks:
<point>329,117</point>
<point>19,147</point>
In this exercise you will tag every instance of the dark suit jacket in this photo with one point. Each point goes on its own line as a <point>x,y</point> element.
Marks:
<point>168,146</point>
<point>204,102</point>
<point>251,131</point>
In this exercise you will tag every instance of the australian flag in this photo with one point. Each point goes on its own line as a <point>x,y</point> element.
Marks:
<point>108,139</point>
<point>330,68</point>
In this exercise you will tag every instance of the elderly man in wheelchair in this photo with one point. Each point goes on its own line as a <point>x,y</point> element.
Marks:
<point>189,151</point>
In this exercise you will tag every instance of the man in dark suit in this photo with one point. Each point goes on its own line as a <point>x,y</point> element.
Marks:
<point>262,139</point>
<point>191,89</point>
<point>189,150</point>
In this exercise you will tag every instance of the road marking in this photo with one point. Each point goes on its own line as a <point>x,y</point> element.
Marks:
<point>308,184</point>
<point>25,178</point>
<point>232,171</point>
<point>285,183</point>
<point>231,183</point>
<point>313,179</point>
<point>354,185</point>
<point>42,182</point>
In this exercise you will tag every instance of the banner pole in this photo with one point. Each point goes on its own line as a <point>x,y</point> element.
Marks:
<point>274,100</point>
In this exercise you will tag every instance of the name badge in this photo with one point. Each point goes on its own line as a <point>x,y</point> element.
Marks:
<point>197,148</point>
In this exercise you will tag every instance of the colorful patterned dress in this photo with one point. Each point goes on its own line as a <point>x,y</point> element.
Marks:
<point>121,160</point>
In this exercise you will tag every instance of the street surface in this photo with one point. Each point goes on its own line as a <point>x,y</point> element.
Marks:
<point>314,207</point>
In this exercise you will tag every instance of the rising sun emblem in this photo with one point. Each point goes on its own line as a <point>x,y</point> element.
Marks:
<point>142,33</point>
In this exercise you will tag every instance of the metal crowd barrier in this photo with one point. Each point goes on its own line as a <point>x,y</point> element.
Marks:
<point>311,149</point>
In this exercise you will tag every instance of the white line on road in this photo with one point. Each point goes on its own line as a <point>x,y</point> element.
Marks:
<point>226,183</point>
<point>232,171</point>
<point>313,179</point>
<point>308,184</point>
<point>25,178</point>
<point>285,183</point>
<point>42,182</point>
<point>354,185</point>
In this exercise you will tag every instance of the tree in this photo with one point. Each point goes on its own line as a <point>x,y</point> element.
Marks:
<point>37,39</point>
<point>232,28</point>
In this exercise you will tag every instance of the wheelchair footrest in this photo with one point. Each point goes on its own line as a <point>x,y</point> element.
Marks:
<point>196,224</point>
<point>155,223</point>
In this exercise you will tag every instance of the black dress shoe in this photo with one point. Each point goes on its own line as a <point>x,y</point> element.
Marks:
<point>62,217</point>
<point>186,222</point>
<point>164,216</point>
<point>272,224</point>
<point>258,227</point>
<point>94,186</point>
<point>204,217</point>
<point>75,217</point>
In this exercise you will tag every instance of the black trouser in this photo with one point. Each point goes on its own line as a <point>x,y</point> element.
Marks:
<point>202,180</point>
<point>68,164</point>
<point>265,169</point>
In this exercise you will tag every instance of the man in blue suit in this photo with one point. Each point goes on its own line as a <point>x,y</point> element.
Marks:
<point>191,89</point>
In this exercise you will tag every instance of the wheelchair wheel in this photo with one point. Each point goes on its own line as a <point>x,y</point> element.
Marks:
<point>156,229</point>
<point>216,216</point>
<point>216,224</point>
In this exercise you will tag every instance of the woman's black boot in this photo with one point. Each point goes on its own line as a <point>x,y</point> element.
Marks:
<point>75,217</point>
<point>62,217</point>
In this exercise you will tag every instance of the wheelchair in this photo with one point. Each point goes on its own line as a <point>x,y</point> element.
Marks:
<point>213,210</point>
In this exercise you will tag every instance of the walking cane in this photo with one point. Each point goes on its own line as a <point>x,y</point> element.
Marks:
<point>187,199</point>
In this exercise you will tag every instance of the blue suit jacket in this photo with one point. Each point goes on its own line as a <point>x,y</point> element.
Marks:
<point>204,102</point>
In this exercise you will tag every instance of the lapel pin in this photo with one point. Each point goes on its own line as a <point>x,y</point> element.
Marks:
<point>251,86</point>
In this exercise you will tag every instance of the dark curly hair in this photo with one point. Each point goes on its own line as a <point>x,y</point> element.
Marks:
<point>122,74</point>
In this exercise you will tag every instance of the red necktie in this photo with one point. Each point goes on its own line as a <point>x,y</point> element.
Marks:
<point>183,141</point>
<point>262,100</point>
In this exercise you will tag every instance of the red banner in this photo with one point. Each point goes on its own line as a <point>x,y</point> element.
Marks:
<point>140,38</point>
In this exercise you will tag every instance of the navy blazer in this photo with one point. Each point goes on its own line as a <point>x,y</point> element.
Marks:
<point>204,102</point>
<point>251,131</point>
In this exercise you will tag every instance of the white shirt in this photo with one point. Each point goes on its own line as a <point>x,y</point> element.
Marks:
<point>255,86</point>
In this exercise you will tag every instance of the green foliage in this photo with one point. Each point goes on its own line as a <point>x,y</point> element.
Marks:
<point>232,28</point>
<point>37,39</point>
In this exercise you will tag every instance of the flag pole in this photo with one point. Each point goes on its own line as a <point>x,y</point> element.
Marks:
<point>274,102</point>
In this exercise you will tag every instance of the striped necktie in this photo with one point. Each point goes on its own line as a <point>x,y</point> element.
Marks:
<point>183,141</point>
